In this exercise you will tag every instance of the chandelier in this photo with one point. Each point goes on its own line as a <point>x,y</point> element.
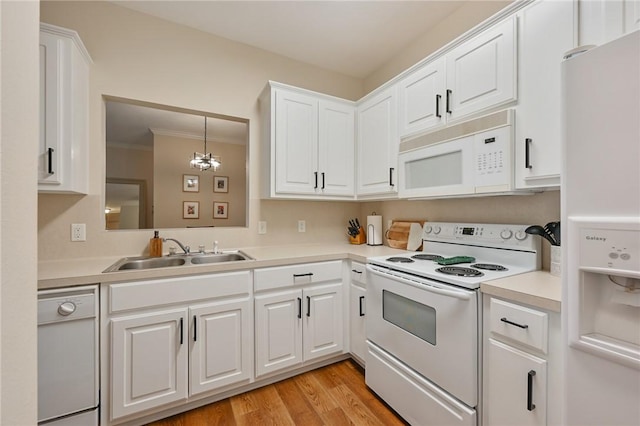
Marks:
<point>205,161</point>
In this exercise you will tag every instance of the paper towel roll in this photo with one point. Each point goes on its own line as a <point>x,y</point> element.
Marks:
<point>374,230</point>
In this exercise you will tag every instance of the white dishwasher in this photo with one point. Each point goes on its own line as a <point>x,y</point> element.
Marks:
<point>68,357</point>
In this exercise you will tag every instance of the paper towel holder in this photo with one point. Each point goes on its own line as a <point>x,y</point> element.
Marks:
<point>372,231</point>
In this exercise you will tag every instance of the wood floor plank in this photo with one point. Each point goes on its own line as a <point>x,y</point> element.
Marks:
<point>320,399</point>
<point>334,395</point>
<point>298,406</point>
<point>354,407</point>
<point>336,417</point>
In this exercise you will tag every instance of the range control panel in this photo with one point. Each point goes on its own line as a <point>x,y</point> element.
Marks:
<point>506,236</point>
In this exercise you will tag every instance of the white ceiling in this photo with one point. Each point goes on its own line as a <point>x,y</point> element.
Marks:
<point>351,37</point>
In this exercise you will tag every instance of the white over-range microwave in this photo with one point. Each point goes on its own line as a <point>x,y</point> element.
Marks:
<point>474,157</point>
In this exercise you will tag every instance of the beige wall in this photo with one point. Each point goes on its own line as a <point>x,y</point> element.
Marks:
<point>208,73</point>
<point>19,117</point>
<point>171,159</point>
<point>140,57</point>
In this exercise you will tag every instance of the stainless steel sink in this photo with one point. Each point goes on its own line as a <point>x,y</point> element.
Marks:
<point>142,263</point>
<point>217,258</point>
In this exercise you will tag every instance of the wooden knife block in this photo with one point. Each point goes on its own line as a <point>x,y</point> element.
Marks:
<point>361,238</point>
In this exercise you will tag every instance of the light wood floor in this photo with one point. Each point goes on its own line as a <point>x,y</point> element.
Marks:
<point>332,395</point>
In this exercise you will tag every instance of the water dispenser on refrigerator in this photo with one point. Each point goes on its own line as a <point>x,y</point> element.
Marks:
<point>603,279</point>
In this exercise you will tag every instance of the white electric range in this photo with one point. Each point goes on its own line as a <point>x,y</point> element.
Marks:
<point>424,317</point>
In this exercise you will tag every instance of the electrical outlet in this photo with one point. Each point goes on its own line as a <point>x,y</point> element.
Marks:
<point>302,226</point>
<point>262,227</point>
<point>78,232</point>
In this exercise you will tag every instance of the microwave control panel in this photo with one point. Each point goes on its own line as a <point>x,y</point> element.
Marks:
<point>492,151</point>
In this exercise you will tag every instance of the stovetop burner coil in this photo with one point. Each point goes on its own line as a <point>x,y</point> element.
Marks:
<point>489,267</point>
<point>459,271</point>
<point>426,256</point>
<point>400,259</point>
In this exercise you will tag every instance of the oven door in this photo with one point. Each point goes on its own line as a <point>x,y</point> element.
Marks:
<point>429,326</point>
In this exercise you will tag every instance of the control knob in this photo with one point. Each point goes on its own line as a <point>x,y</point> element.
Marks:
<point>427,229</point>
<point>66,308</point>
<point>521,235</point>
<point>506,234</point>
<point>436,229</point>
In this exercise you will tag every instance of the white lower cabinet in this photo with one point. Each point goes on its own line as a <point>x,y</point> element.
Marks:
<point>521,365</point>
<point>173,341</point>
<point>516,387</point>
<point>220,352</point>
<point>357,312</point>
<point>302,320</point>
<point>149,361</point>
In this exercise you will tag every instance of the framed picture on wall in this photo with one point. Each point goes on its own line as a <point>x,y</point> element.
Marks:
<point>190,183</point>
<point>220,184</point>
<point>220,210</point>
<point>190,209</point>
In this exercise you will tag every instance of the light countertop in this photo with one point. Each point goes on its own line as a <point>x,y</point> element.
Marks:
<point>65,273</point>
<point>538,288</point>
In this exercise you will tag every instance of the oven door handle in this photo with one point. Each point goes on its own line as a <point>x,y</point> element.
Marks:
<point>445,292</point>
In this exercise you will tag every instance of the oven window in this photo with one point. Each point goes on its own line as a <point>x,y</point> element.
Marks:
<point>409,315</point>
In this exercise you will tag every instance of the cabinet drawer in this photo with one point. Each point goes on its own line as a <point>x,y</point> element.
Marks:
<point>144,294</point>
<point>358,273</point>
<point>520,324</point>
<point>294,275</point>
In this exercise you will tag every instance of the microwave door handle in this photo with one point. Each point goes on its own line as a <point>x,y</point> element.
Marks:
<point>445,292</point>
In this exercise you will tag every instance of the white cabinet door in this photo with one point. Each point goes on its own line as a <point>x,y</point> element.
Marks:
<point>420,99</point>
<point>221,345</point>
<point>378,144</point>
<point>357,312</point>
<point>50,57</point>
<point>64,112</point>
<point>323,324</point>
<point>481,73</point>
<point>602,21</point>
<point>336,156</point>
<point>296,145</point>
<point>515,388</point>
<point>546,32</point>
<point>149,361</point>
<point>278,329</point>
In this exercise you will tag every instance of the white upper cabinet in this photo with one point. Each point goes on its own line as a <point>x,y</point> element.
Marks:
<point>476,76</point>
<point>481,72</point>
<point>64,112</point>
<point>546,32</point>
<point>296,142</point>
<point>378,144</point>
<point>420,98</point>
<point>604,20</point>
<point>311,140</point>
<point>336,148</point>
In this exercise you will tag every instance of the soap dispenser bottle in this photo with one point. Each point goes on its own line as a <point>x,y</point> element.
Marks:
<point>155,245</point>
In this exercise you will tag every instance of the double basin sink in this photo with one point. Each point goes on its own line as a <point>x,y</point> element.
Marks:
<point>181,260</point>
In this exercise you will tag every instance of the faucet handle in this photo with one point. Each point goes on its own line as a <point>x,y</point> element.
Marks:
<point>187,249</point>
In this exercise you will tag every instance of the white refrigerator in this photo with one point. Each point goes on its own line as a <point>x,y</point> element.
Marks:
<point>601,234</point>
